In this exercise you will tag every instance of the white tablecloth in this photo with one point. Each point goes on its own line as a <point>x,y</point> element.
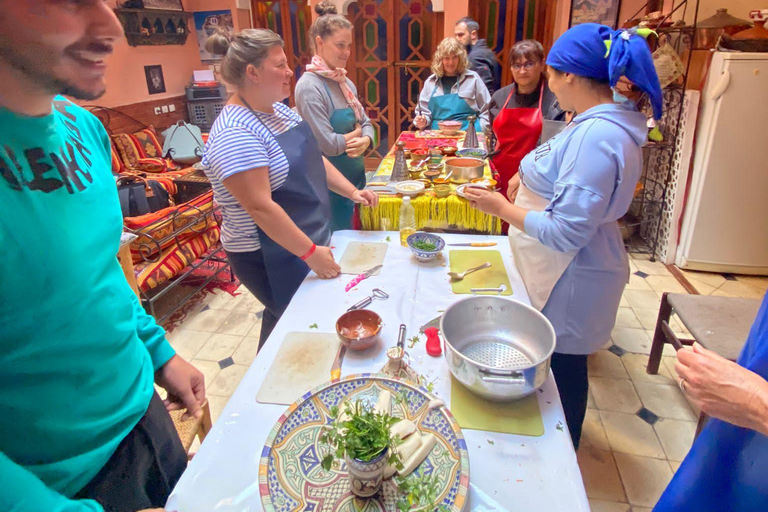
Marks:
<point>507,472</point>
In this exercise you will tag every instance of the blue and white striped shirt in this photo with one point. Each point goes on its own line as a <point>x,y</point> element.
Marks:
<point>240,140</point>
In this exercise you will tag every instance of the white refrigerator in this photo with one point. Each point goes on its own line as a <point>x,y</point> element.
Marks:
<point>725,222</point>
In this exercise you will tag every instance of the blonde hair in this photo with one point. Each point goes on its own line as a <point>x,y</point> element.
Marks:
<point>328,22</point>
<point>449,46</point>
<point>249,46</point>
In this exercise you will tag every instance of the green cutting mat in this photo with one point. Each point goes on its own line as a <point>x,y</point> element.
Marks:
<point>490,277</point>
<point>519,417</point>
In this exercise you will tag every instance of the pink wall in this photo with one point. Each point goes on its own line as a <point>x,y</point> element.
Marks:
<point>126,83</point>
<point>454,11</point>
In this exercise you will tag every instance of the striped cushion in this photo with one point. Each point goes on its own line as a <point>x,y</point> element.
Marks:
<point>141,151</point>
<point>175,259</point>
<point>158,227</point>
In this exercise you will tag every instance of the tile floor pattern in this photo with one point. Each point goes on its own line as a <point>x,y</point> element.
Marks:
<point>638,427</point>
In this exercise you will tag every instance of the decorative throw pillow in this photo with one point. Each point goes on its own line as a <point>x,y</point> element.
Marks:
<point>141,151</point>
<point>117,163</point>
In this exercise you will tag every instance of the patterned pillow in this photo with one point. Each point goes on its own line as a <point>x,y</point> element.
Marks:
<point>174,259</point>
<point>141,151</point>
<point>117,163</point>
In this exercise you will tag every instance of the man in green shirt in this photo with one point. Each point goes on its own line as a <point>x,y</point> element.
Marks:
<point>81,428</point>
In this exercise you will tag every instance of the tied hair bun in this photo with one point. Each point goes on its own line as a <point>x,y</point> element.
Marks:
<point>326,7</point>
<point>219,42</point>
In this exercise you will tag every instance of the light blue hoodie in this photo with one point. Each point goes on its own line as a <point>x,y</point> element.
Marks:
<point>588,172</point>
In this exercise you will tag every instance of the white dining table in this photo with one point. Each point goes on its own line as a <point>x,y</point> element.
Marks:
<point>507,472</point>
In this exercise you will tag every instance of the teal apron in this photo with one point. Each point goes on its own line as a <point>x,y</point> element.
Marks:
<point>450,107</point>
<point>343,121</point>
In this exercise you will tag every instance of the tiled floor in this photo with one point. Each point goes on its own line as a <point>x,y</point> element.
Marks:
<point>638,426</point>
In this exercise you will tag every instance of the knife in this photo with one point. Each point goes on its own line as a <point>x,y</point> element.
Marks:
<point>336,368</point>
<point>432,330</point>
<point>476,244</point>
<point>364,275</point>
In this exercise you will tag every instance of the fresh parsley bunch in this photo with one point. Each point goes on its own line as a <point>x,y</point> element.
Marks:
<point>363,435</point>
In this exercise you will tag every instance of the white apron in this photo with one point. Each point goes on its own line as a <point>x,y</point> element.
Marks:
<point>539,266</point>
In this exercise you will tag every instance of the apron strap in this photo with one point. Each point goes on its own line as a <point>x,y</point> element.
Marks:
<point>329,92</point>
<point>514,87</point>
<point>262,123</point>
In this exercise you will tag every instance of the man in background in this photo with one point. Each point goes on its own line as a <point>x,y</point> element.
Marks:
<point>81,427</point>
<point>482,60</point>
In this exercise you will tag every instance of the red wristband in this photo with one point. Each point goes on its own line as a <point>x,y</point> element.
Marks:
<point>309,252</point>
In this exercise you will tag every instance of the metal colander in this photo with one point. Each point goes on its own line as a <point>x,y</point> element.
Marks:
<point>497,354</point>
<point>499,348</point>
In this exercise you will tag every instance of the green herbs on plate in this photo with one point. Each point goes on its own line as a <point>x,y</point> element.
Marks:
<point>360,432</point>
<point>419,494</point>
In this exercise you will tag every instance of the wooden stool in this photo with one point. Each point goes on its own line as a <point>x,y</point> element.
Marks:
<point>720,324</point>
<point>188,429</point>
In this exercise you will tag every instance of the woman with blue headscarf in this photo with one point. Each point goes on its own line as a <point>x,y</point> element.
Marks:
<point>571,191</point>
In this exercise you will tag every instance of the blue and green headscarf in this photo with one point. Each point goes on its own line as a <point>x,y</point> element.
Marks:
<point>599,52</point>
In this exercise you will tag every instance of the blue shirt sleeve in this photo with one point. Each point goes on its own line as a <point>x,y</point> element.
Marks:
<point>582,194</point>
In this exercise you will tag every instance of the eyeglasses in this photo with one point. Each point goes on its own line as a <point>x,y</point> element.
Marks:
<point>528,65</point>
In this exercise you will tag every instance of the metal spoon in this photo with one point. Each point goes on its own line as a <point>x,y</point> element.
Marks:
<point>458,276</point>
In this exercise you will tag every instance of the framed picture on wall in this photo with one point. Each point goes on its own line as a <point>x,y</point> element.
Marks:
<point>605,12</point>
<point>206,23</point>
<point>166,5</point>
<point>155,80</point>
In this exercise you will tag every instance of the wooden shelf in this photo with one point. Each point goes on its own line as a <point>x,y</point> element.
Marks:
<point>145,27</point>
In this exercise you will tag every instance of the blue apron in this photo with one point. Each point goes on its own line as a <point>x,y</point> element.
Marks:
<point>304,197</point>
<point>727,467</point>
<point>451,107</point>
<point>343,121</point>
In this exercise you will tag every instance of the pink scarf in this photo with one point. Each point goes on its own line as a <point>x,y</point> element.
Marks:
<point>318,66</point>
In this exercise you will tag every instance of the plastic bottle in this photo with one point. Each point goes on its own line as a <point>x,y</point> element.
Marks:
<point>407,221</point>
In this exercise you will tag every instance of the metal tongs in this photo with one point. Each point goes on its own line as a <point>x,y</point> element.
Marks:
<point>376,294</point>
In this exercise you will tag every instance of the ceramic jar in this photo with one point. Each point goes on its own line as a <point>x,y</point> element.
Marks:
<point>365,477</point>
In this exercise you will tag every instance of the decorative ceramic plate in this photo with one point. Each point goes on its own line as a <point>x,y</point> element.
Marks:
<point>291,478</point>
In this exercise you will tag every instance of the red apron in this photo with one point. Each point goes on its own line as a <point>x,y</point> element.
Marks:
<point>517,133</point>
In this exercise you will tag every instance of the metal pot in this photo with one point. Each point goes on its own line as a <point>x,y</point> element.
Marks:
<point>708,31</point>
<point>464,168</point>
<point>498,348</point>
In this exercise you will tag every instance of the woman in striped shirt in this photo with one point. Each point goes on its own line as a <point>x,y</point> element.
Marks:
<point>269,176</point>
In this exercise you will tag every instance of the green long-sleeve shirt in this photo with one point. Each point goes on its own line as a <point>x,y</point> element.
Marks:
<point>77,351</point>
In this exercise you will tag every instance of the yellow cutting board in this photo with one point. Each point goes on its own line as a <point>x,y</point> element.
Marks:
<point>490,277</point>
<point>302,363</point>
<point>472,412</point>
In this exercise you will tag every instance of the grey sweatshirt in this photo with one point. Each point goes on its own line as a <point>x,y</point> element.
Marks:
<point>316,107</point>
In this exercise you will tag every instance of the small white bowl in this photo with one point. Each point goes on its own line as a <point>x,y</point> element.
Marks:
<point>410,188</point>
<point>460,189</point>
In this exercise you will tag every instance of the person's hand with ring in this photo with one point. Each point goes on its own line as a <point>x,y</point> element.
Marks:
<point>723,389</point>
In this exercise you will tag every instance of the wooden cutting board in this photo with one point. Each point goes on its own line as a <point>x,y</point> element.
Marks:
<point>486,278</point>
<point>362,256</point>
<point>303,362</point>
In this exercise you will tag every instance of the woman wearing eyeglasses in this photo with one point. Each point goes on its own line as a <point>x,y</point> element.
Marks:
<point>520,110</point>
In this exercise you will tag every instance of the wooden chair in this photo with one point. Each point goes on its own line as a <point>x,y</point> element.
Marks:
<point>193,427</point>
<point>720,324</point>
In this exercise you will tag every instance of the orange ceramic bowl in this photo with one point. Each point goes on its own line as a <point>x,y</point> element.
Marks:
<point>359,329</point>
<point>449,150</point>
